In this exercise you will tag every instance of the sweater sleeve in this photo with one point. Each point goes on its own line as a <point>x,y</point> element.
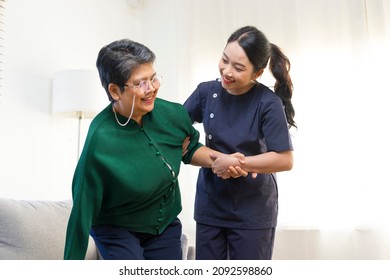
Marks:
<point>87,190</point>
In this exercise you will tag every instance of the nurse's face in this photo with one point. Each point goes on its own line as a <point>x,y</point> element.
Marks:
<point>237,72</point>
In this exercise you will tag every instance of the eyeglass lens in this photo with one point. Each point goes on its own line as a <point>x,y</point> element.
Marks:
<point>144,85</point>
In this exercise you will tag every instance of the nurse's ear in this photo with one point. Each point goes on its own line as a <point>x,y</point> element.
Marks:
<point>114,91</point>
<point>257,74</point>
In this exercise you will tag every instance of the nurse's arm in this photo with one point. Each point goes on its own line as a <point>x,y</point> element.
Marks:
<point>266,163</point>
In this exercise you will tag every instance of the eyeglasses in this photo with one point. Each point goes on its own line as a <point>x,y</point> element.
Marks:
<point>143,87</point>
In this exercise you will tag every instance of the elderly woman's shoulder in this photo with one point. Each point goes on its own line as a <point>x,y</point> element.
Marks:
<point>168,106</point>
<point>167,103</point>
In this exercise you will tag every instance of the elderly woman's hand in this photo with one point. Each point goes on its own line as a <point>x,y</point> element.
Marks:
<point>229,166</point>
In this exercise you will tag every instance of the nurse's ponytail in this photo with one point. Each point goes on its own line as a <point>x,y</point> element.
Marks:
<point>279,66</point>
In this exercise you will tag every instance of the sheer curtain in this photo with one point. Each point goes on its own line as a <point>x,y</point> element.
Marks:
<point>333,204</point>
<point>2,7</point>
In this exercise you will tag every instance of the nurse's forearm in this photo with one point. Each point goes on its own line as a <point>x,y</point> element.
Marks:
<point>269,162</point>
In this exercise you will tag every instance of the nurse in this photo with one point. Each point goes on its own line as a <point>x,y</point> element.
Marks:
<point>236,218</point>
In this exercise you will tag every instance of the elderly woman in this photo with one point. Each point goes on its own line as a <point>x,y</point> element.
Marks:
<point>125,187</point>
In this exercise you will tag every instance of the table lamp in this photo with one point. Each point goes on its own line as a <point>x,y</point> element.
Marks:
<point>77,94</point>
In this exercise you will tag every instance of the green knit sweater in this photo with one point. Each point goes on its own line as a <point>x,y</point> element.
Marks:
<point>127,176</point>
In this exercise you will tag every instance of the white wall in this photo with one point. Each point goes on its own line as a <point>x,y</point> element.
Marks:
<point>38,150</point>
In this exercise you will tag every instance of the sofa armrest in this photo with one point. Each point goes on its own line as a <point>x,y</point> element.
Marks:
<point>35,230</point>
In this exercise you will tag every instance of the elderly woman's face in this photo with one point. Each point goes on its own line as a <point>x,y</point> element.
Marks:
<point>142,87</point>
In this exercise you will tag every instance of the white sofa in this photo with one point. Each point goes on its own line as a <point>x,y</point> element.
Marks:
<point>36,229</point>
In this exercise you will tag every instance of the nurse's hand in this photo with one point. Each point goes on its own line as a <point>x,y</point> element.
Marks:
<point>237,171</point>
<point>184,146</point>
<point>229,166</point>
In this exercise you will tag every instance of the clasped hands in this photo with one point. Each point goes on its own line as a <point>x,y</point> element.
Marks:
<point>224,166</point>
<point>229,166</point>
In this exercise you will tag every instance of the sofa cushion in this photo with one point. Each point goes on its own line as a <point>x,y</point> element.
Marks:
<point>35,229</point>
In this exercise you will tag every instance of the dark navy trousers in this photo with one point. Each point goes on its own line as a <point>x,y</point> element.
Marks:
<point>215,243</point>
<point>118,243</point>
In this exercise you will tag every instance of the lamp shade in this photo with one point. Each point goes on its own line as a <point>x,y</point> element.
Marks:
<point>77,94</point>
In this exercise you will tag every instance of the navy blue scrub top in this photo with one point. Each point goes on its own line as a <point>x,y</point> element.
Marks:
<point>251,123</point>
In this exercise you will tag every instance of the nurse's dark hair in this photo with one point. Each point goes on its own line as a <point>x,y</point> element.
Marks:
<point>117,60</point>
<point>259,52</point>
